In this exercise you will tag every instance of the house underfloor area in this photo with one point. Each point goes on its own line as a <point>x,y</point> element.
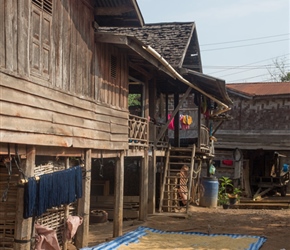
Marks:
<point>274,224</point>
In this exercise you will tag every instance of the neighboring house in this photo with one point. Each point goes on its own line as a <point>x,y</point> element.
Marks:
<point>259,128</point>
<point>64,104</point>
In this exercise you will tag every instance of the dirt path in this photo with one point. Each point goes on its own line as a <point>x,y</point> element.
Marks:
<point>273,224</point>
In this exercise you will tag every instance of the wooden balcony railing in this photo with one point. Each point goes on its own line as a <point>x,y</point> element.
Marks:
<point>138,135</point>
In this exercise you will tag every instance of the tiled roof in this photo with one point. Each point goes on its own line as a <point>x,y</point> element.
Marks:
<point>260,88</point>
<point>170,40</point>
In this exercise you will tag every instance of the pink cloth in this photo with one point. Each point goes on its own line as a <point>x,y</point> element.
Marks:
<point>46,238</point>
<point>171,124</point>
<point>72,224</point>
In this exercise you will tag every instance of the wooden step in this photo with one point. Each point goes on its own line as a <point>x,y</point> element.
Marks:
<point>261,206</point>
<point>177,149</point>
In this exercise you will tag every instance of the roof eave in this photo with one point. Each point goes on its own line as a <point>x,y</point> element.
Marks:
<point>120,14</point>
<point>214,86</point>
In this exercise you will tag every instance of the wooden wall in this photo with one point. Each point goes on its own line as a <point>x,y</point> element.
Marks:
<point>257,123</point>
<point>56,86</point>
<point>111,84</point>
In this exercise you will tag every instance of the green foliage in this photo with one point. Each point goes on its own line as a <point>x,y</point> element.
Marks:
<point>279,73</point>
<point>134,100</point>
<point>223,195</point>
<point>285,77</point>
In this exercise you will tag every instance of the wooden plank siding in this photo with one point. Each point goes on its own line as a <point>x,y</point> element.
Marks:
<point>10,15</point>
<point>111,90</point>
<point>63,94</point>
<point>40,110</point>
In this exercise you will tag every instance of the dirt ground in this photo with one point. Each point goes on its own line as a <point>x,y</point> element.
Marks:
<point>273,224</point>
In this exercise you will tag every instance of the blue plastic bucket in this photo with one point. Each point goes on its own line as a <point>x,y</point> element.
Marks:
<point>285,167</point>
<point>209,192</point>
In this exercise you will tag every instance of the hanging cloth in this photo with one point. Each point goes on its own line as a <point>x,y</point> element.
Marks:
<point>72,224</point>
<point>171,124</point>
<point>30,197</point>
<point>185,122</point>
<point>52,190</point>
<point>45,238</point>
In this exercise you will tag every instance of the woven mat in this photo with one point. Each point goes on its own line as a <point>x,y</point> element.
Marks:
<point>149,238</point>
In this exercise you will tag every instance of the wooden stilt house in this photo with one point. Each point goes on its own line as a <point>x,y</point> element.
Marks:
<point>188,92</point>
<point>64,89</point>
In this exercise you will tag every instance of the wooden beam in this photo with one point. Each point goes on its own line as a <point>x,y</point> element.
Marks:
<point>140,70</point>
<point>135,45</point>
<point>217,127</point>
<point>152,183</point>
<point>111,39</point>
<point>113,11</point>
<point>23,227</point>
<point>143,207</point>
<point>82,234</point>
<point>199,123</point>
<point>176,122</point>
<point>119,196</point>
<point>66,211</point>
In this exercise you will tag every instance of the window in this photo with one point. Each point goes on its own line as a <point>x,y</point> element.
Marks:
<point>41,18</point>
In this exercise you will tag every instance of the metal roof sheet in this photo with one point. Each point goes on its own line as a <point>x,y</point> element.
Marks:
<point>260,88</point>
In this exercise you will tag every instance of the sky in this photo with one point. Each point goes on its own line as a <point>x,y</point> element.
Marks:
<point>240,40</point>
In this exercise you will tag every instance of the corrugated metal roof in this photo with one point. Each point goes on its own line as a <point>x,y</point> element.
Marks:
<point>261,88</point>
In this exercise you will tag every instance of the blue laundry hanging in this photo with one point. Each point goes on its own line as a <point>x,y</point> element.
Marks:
<point>30,194</point>
<point>52,190</point>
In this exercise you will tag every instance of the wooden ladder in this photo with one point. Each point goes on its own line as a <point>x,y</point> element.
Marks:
<point>177,180</point>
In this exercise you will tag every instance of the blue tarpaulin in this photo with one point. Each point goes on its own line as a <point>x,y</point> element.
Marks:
<point>134,236</point>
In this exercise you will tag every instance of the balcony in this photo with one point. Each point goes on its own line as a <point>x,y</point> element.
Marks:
<point>138,132</point>
<point>143,133</point>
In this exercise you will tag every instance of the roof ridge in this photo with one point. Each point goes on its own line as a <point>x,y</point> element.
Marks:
<point>169,23</point>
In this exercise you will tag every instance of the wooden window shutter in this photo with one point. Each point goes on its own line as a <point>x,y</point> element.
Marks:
<point>41,19</point>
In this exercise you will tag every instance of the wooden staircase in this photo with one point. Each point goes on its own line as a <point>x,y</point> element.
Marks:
<point>177,180</point>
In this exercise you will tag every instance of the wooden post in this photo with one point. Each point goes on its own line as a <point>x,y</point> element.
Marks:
<point>152,183</point>
<point>199,122</point>
<point>84,204</point>
<point>143,208</point>
<point>66,211</point>
<point>119,196</point>
<point>176,122</point>
<point>23,227</point>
